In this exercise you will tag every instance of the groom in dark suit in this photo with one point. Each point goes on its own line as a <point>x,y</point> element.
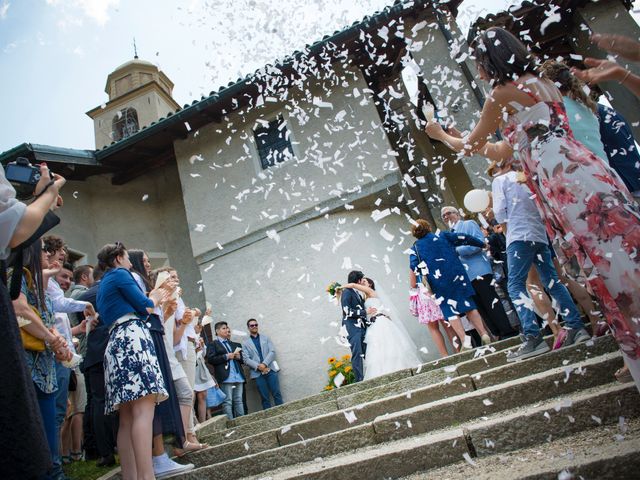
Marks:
<point>354,318</point>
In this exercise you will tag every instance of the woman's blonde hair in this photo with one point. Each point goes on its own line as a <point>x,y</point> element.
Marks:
<point>569,84</point>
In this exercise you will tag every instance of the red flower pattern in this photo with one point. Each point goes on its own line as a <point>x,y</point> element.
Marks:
<point>588,213</point>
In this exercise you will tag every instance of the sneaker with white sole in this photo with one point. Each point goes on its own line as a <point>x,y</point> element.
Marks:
<point>532,346</point>
<point>575,336</point>
<point>164,467</point>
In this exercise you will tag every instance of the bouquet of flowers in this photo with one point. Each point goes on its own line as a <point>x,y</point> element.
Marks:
<point>333,288</point>
<point>340,372</point>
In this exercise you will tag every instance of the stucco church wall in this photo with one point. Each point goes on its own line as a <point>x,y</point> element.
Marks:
<point>146,213</point>
<point>229,195</point>
<point>282,284</point>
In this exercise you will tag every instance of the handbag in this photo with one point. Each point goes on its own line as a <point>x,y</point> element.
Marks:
<point>215,397</point>
<point>30,342</point>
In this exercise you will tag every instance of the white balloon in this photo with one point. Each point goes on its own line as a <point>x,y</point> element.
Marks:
<point>476,200</point>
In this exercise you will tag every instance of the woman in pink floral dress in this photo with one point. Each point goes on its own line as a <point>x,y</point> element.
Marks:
<point>589,213</point>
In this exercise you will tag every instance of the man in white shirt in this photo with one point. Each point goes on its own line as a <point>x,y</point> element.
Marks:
<point>56,251</point>
<point>527,245</point>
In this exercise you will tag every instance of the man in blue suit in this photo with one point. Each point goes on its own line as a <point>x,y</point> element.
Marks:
<point>260,356</point>
<point>355,321</point>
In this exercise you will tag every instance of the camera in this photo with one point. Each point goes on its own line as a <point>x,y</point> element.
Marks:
<point>23,176</point>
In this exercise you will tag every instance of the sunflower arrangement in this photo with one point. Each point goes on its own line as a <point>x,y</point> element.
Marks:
<point>333,288</point>
<point>340,371</point>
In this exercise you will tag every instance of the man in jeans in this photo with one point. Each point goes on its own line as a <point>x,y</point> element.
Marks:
<point>226,358</point>
<point>259,356</point>
<point>527,244</point>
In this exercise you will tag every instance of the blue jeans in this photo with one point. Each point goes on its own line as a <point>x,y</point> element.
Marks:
<point>269,384</point>
<point>233,391</point>
<point>520,256</point>
<point>47,404</point>
<point>62,395</point>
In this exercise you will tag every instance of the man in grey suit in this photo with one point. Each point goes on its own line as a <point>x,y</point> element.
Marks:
<point>259,356</point>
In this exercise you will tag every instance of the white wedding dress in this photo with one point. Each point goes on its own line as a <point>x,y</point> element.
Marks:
<point>389,347</point>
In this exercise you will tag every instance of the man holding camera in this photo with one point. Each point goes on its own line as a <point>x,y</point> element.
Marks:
<point>20,225</point>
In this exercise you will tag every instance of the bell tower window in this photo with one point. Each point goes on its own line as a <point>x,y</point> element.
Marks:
<point>125,124</point>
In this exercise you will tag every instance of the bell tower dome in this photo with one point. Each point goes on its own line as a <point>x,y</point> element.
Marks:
<point>139,94</point>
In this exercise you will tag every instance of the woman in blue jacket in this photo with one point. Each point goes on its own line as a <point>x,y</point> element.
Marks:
<point>434,257</point>
<point>133,380</point>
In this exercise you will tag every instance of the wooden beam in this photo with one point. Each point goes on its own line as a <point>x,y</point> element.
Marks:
<point>141,168</point>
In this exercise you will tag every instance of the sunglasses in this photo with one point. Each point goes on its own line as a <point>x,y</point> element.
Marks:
<point>253,325</point>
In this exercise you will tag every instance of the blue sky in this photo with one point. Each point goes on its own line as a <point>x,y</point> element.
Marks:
<point>55,55</point>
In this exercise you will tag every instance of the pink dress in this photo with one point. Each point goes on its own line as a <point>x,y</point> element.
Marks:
<point>589,214</point>
<point>423,305</point>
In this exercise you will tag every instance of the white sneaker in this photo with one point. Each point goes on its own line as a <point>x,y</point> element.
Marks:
<point>164,467</point>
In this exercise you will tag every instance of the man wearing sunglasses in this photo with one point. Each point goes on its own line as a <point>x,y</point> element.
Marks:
<point>259,356</point>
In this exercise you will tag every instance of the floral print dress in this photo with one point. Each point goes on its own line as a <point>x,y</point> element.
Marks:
<point>590,215</point>
<point>42,365</point>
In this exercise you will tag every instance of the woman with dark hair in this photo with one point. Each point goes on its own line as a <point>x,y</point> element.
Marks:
<point>589,214</point>
<point>33,305</point>
<point>389,345</point>
<point>133,379</point>
<point>141,268</point>
<point>434,258</point>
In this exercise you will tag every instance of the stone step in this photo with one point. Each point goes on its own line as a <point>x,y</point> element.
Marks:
<point>372,424</point>
<point>481,367</point>
<point>525,427</point>
<point>610,451</point>
<point>324,400</point>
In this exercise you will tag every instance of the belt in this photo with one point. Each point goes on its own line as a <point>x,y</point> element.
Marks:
<point>122,320</point>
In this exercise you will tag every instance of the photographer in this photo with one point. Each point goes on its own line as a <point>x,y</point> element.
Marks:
<point>27,454</point>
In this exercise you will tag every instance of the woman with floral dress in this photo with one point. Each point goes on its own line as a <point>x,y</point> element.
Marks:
<point>588,212</point>
<point>35,306</point>
<point>133,379</point>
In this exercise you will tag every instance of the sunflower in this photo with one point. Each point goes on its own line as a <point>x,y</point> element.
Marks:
<point>346,358</point>
<point>332,360</point>
<point>333,373</point>
<point>338,364</point>
<point>347,369</point>
<point>328,387</point>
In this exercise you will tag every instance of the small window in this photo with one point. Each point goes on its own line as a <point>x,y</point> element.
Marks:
<point>273,142</point>
<point>124,124</point>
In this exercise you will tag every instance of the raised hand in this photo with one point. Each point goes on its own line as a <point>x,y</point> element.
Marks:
<point>600,71</point>
<point>434,130</point>
<point>618,44</point>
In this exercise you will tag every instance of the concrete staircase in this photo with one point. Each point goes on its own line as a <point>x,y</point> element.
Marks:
<point>465,416</point>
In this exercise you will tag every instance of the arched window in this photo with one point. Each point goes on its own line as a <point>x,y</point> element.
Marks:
<point>124,124</point>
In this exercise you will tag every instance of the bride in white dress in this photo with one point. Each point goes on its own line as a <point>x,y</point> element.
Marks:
<point>389,346</point>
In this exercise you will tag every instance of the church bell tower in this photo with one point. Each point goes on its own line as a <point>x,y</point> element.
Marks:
<point>139,94</point>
